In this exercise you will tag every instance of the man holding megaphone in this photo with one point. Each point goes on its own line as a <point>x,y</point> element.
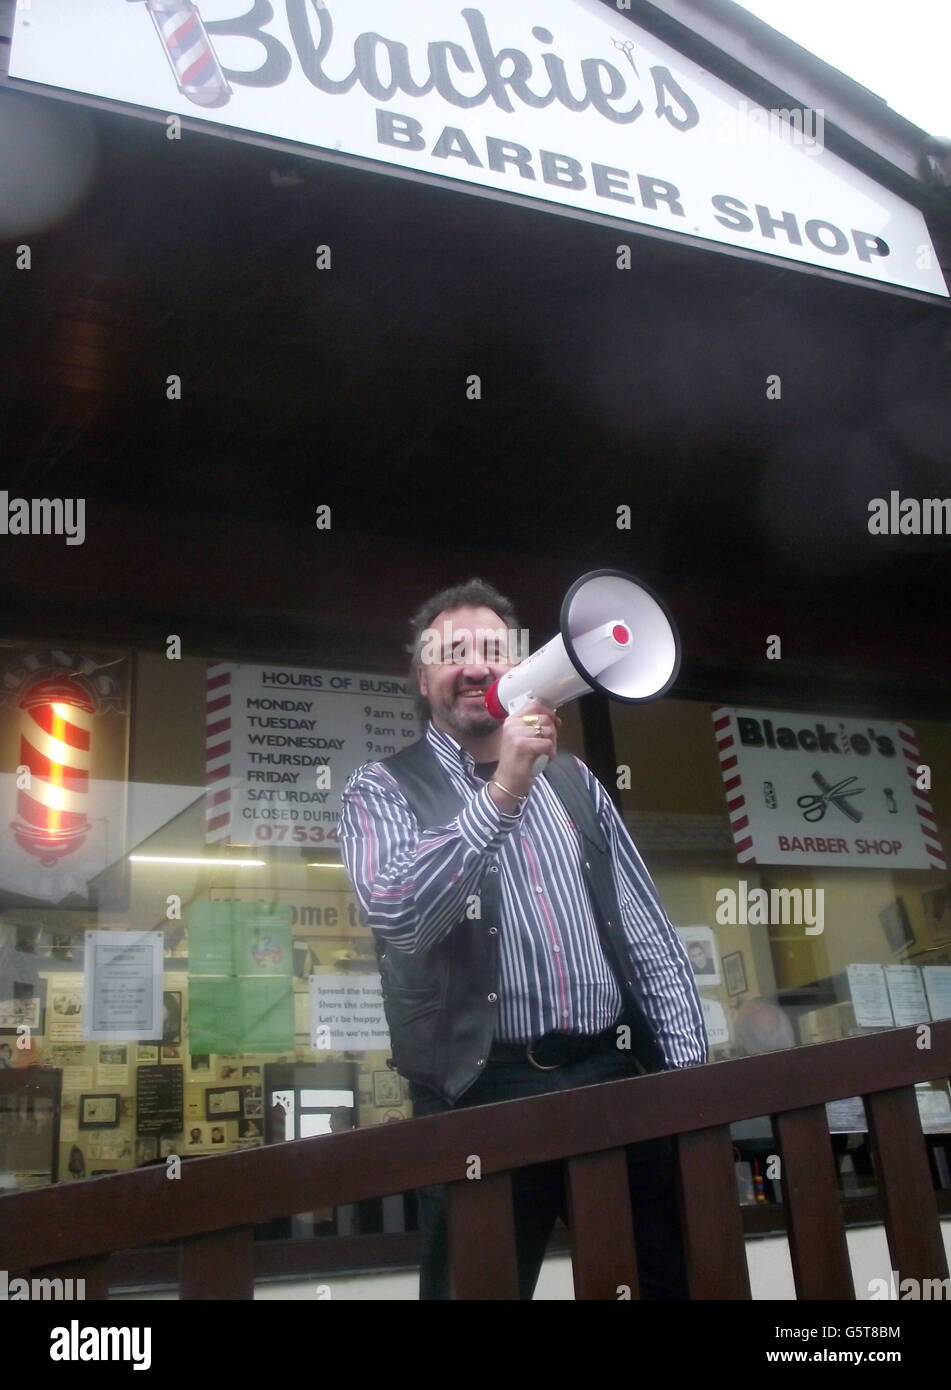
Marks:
<point>521,941</point>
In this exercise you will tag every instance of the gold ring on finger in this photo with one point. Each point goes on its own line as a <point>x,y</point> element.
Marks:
<point>531,719</point>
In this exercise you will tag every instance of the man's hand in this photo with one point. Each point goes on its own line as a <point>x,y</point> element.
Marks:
<point>522,743</point>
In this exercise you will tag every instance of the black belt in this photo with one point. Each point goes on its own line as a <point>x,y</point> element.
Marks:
<point>555,1049</point>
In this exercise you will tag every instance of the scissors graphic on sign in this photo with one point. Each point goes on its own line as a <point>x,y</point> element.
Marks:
<point>626,48</point>
<point>815,807</point>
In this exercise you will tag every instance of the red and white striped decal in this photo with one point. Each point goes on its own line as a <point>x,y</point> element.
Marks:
<point>218,753</point>
<point>732,785</point>
<point>922,801</point>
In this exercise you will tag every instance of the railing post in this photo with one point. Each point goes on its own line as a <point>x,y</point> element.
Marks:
<point>603,1258</point>
<point>817,1244</point>
<point>481,1226</point>
<point>711,1218</point>
<point>904,1185</point>
<point>219,1264</point>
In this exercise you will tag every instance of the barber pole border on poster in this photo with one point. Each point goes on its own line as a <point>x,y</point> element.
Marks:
<point>823,789</point>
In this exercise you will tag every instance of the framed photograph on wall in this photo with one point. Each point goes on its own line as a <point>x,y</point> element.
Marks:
<point>223,1103</point>
<point>701,948</point>
<point>734,973</point>
<point>99,1112</point>
<point>23,1003</point>
<point>386,1089</point>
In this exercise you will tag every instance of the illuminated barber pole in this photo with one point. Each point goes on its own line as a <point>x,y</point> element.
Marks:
<point>189,50</point>
<point>55,733</point>
<point>64,766</point>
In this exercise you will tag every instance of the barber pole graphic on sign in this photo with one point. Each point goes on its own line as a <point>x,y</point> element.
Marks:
<point>821,789</point>
<point>923,806</point>
<point>218,754</point>
<point>189,50</point>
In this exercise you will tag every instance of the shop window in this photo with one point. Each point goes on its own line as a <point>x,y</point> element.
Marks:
<point>835,948</point>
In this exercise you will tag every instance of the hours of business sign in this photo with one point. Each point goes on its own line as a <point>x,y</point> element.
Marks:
<point>807,789</point>
<point>280,743</point>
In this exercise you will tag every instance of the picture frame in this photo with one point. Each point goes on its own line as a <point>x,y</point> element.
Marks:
<point>386,1089</point>
<point>700,944</point>
<point>734,973</point>
<point>896,926</point>
<point>223,1103</point>
<point>99,1111</point>
<point>24,1005</point>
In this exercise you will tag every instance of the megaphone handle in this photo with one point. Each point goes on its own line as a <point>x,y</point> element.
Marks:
<point>520,701</point>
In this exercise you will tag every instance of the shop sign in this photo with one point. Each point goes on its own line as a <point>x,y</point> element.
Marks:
<point>820,789</point>
<point>560,101</point>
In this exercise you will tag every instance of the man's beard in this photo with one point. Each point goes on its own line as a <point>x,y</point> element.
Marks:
<point>463,720</point>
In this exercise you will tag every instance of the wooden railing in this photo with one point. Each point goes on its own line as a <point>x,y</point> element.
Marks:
<point>69,1230</point>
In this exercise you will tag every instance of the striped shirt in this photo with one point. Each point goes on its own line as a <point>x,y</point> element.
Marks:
<point>414,886</point>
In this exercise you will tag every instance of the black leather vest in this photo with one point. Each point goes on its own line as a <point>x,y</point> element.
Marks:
<point>441,1005</point>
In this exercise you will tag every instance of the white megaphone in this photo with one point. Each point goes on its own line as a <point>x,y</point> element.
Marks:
<point>616,636</point>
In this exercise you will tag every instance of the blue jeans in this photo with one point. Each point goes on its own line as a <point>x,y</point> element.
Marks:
<point>538,1192</point>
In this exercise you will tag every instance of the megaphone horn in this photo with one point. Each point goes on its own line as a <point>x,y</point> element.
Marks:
<point>616,636</point>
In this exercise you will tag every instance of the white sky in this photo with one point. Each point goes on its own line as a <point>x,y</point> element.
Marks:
<point>899,49</point>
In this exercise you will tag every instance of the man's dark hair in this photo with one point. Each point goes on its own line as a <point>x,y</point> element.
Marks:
<point>475,593</point>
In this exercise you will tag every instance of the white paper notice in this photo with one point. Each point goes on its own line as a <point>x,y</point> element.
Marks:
<point>870,996</point>
<point>907,994</point>
<point>64,1021</point>
<point>934,1108</point>
<point>347,1014</point>
<point>714,1020</point>
<point>846,1116</point>
<point>938,985</point>
<point>123,996</point>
